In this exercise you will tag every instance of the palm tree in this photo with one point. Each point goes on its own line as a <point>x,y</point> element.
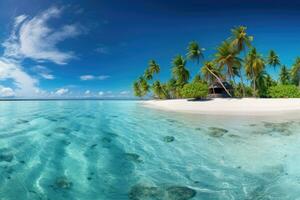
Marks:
<point>254,66</point>
<point>212,73</point>
<point>158,90</point>
<point>136,89</point>
<point>227,56</point>
<point>153,67</point>
<point>284,75</point>
<point>240,40</point>
<point>194,53</point>
<point>197,79</point>
<point>273,59</point>
<point>179,71</point>
<point>172,88</point>
<point>148,75</point>
<point>143,85</point>
<point>295,72</point>
<point>261,81</point>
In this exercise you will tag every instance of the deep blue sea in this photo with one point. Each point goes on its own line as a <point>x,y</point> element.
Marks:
<point>115,150</point>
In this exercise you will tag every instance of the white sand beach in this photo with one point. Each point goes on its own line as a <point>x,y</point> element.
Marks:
<point>228,106</point>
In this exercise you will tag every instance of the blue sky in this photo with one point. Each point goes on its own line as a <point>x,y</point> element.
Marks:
<point>97,48</point>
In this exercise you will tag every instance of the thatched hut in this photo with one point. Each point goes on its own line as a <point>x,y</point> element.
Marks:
<point>216,90</point>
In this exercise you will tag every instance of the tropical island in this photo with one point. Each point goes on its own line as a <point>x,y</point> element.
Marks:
<point>237,70</point>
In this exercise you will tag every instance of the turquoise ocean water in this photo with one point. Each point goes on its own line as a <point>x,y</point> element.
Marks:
<point>119,150</point>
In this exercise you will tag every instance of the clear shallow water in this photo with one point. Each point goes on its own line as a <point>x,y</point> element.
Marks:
<point>121,150</point>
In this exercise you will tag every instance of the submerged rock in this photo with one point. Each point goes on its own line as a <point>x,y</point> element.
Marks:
<point>63,183</point>
<point>282,128</point>
<point>140,192</point>
<point>48,134</point>
<point>106,140</point>
<point>22,121</point>
<point>6,157</point>
<point>171,120</point>
<point>180,193</point>
<point>217,132</point>
<point>168,139</point>
<point>62,130</point>
<point>198,129</point>
<point>65,142</point>
<point>22,161</point>
<point>93,146</point>
<point>133,157</point>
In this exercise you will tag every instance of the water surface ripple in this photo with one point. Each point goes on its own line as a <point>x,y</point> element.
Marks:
<point>52,150</point>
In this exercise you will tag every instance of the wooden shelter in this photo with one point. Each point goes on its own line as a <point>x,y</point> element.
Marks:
<point>216,90</point>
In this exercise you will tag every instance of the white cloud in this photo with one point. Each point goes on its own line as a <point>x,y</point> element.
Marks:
<point>43,71</point>
<point>6,92</point>
<point>125,92</point>
<point>102,50</point>
<point>92,77</point>
<point>33,38</point>
<point>24,83</point>
<point>87,92</point>
<point>101,93</point>
<point>62,91</point>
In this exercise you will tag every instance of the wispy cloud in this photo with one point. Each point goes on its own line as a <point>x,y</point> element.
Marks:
<point>24,83</point>
<point>92,77</point>
<point>125,93</point>
<point>33,38</point>
<point>61,91</point>
<point>43,72</point>
<point>102,50</point>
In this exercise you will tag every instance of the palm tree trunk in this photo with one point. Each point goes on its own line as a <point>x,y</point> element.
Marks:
<point>254,87</point>
<point>242,81</point>
<point>219,80</point>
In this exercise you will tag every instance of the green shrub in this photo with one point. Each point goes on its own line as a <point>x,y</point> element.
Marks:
<point>194,90</point>
<point>284,91</point>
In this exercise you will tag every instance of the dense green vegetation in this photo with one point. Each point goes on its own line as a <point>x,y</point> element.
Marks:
<point>236,61</point>
<point>284,91</point>
<point>194,90</point>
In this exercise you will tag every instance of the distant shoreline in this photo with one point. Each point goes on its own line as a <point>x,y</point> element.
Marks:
<point>228,106</point>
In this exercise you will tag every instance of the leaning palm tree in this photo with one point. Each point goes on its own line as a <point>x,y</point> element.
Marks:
<point>295,72</point>
<point>148,75</point>
<point>226,56</point>
<point>194,52</point>
<point>153,67</point>
<point>273,59</point>
<point>254,66</point>
<point>241,40</point>
<point>136,89</point>
<point>179,71</point>
<point>212,73</point>
<point>144,86</point>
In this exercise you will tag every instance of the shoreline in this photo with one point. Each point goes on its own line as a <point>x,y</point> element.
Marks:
<point>228,106</point>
